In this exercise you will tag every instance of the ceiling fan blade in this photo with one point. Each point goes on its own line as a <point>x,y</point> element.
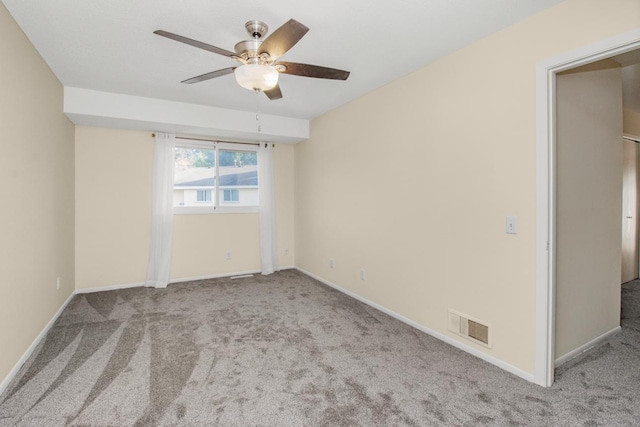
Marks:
<point>307,70</point>
<point>210,75</point>
<point>194,43</point>
<point>274,93</point>
<point>283,39</point>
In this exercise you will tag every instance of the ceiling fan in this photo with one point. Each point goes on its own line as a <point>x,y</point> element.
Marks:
<point>259,67</point>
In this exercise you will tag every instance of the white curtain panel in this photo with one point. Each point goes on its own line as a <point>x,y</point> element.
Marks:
<point>268,250</point>
<point>162,215</point>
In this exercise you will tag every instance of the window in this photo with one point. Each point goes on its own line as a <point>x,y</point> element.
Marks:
<point>231,196</point>
<point>210,177</point>
<point>203,196</point>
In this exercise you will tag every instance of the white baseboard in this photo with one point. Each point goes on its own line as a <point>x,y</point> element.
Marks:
<point>218,276</point>
<point>442,337</point>
<point>588,346</point>
<point>5,383</point>
<point>108,288</point>
<point>213,276</point>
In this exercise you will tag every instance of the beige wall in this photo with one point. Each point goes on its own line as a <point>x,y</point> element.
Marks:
<point>589,206</point>
<point>632,122</point>
<point>113,211</point>
<point>114,170</point>
<point>36,187</point>
<point>462,131</point>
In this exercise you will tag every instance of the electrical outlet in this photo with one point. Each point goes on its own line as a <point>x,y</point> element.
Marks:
<point>286,251</point>
<point>362,274</point>
<point>331,263</point>
<point>58,283</point>
<point>228,255</point>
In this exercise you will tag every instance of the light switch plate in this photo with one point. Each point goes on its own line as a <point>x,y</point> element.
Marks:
<point>512,225</point>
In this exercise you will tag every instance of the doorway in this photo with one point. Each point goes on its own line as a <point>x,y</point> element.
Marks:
<point>630,178</point>
<point>546,189</point>
<point>589,155</point>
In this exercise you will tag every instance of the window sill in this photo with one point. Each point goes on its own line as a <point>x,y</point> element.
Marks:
<point>200,210</point>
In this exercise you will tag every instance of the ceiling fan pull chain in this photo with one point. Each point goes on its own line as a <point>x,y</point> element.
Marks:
<point>258,112</point>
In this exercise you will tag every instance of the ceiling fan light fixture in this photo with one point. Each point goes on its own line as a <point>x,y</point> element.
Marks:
<point>257,77</point>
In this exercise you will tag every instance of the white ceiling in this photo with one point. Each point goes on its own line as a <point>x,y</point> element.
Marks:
<point>109,46</point>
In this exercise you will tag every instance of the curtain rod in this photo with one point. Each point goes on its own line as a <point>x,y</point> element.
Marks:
<point>153,135</point>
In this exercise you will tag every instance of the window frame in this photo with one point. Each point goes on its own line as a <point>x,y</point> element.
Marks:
<point>215,207</point>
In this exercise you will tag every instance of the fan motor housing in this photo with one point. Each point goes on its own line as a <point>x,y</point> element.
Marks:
<point>247,46</point>
<point>248,51</point>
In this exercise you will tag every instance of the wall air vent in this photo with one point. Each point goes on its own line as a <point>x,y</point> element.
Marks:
<point>470,328</point>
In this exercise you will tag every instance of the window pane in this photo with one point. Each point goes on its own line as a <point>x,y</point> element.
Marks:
<point>231,196</point>
<point>194,176</point>
<point>238,176</point>
<point>203,196</point>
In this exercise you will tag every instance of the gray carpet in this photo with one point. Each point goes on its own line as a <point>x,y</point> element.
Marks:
<point>285,350</point>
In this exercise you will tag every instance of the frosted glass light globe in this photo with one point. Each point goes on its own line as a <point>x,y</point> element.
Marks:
<point>256,76</point>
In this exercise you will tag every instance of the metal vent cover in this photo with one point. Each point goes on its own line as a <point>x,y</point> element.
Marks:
<point>473,329</point>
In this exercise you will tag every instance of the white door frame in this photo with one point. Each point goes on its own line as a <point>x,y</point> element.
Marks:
<point>546,203</point>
